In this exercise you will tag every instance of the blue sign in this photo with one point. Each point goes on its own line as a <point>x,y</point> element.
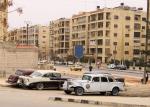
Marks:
<point>78,51</point>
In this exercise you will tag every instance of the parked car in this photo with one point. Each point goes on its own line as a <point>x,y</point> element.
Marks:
<point>111,66</point>
<point>42,79</point>
<point>12,79</point>
<point>121,67</point>
<point>76,67</point>
<point>93,83</point>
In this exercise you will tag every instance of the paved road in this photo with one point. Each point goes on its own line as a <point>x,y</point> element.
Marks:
<point>14,97</point>
<point>136,74</point>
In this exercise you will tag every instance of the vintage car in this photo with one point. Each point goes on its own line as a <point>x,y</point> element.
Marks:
<point>94,83</point>
<point>42,79</point>
<point>76,67</point>
<point>12,79</point>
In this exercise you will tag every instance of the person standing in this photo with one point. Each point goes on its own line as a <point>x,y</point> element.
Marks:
<point>90,68</point>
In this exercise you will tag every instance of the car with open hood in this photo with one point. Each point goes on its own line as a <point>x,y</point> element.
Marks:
<point>13,78</point>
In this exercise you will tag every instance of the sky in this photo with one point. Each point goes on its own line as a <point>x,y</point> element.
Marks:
<point>43,11</point>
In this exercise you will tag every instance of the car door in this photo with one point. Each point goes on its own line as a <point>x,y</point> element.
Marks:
<point>95,84</point>
<point>104,84</point>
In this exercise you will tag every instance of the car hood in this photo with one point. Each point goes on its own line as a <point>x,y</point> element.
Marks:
<point>79,81</point>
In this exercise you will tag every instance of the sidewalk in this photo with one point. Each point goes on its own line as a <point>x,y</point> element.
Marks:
<point>114,101</point>
<point>3,82</point>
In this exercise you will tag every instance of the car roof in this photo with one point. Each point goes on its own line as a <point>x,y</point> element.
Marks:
<point>46,71</point>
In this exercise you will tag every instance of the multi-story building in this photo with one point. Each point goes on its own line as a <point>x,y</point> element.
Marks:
<point>36,35</point>
<point>110,33</point>
<point>3,20</point>
<point>59,37</point>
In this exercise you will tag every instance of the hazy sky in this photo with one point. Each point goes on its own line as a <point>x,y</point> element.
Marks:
<point>42,11</point>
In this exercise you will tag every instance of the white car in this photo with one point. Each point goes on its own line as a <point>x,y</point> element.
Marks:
<point>41,79</point>
<point>76,67</point>
<point>93,83</point>
<point>111,66</point>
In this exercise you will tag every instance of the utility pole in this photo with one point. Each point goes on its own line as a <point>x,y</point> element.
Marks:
<point>146,42</point>
<point>27,32</point>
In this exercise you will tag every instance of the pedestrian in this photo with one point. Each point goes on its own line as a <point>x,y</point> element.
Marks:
<point>90,67</point>
<point>147,77</point>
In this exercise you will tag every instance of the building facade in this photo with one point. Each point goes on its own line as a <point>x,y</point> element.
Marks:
<point>59,38</point>
<point>110,33</point>
<point>36,35</point>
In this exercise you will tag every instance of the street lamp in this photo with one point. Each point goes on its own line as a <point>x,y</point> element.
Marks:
<point>27,30</point>
<point>115,52</point>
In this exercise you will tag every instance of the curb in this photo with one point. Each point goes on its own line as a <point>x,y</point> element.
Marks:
<point>113,104</point>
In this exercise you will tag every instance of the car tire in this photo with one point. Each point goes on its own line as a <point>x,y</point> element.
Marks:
<point>67,91</point>
<point>40,86</point>
<point>115,91</point>
<point>79,91</point>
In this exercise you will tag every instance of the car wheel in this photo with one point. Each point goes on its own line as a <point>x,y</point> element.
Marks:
<point>40,86</point>
<point>79,91</point>
<point>67,91</point>
<point>115,91</point>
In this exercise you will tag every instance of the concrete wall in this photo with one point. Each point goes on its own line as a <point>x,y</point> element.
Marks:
<point>12,58</point>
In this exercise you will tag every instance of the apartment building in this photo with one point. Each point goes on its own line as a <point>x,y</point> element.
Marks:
<point>59,38</point>
<point>3,20</point>
<point>36,35</point>
<point>110,33</point>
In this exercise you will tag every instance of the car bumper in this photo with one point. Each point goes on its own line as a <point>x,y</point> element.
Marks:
<point>12,83</point>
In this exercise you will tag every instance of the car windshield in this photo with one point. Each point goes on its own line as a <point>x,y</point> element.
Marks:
<point>36,74</point>
<point>19,72</point>
<point>86,77</point>
<point>58,75</point>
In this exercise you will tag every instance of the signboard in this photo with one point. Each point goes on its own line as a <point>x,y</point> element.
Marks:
<point>78,51</point>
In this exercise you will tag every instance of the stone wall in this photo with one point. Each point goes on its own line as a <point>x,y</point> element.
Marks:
<point>12,58</point>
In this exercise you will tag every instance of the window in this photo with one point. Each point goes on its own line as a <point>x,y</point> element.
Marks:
<point>127,26</point>
<point>115,43</point>
<point>137,34</point>
<point>143,27</point>
<point>126,52</point>
<point>96,79</point>
<point>116,17</point>
<point>126,43</point>
<point>115,26</point>
<point>115,34</point>
<point>143,36</point>
<point>44,36</point>
<point>143,18</point>
<point>128,18</point>
<point>107,42</point>
<point>126,35</point>
<point>104,79</point>
<point>137,26</point>
<point>136,51</point>
<point>114,52</point>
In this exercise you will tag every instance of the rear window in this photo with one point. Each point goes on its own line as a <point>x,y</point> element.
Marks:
<point>110,79</point>
<point>19,72</point>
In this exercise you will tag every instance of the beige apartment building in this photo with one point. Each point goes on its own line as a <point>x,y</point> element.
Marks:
<point>59,38</point>
<point>3,20</point>
<point>110,33</point>
<point>36,35</point>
